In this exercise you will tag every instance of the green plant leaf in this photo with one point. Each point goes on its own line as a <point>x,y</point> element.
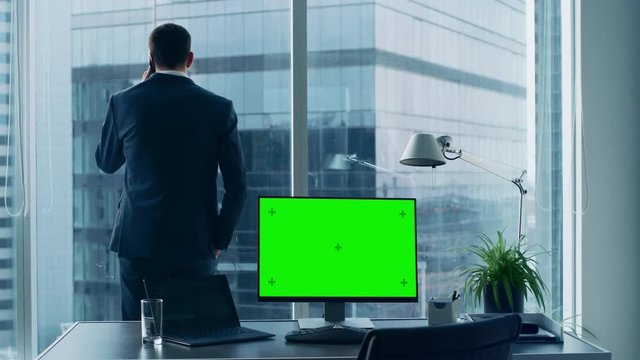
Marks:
<point>507,288</point>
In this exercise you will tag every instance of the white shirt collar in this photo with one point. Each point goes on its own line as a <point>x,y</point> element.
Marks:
<point>173,72</point>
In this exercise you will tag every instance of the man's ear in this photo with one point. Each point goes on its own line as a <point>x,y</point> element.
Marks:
<point>190,59</point>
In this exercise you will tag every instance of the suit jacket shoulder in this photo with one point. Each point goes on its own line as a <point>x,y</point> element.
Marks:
<point>219,106</point>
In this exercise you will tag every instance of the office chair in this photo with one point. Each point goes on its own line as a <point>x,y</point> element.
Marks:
<point>490,339</point>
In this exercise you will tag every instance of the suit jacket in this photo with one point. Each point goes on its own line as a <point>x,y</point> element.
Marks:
<point>172,135</point>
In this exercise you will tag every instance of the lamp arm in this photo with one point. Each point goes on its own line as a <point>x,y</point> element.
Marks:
<point>479,164</point>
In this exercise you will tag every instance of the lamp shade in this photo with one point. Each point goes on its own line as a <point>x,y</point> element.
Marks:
<point>422,150</point>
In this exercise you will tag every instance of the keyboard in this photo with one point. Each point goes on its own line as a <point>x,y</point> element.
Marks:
<point>198,336</point>
<point>330,334</point>
<point>197,333</point>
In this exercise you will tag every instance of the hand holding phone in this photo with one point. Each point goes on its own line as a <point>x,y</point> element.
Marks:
<point>150,71</point>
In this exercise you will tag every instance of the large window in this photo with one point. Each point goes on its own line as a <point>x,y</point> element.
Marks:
<point>242,53</point>
<point>378,71</point>
<point>12,199</point>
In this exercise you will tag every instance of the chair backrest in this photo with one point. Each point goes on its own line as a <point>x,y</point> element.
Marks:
<point>485,339</point>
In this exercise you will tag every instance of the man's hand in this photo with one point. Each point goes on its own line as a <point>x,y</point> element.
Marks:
<point>217,253</point>
<point>145,75</point>
<point>150,71</point>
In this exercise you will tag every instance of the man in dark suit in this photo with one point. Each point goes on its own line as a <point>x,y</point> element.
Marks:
<point>173,136</point>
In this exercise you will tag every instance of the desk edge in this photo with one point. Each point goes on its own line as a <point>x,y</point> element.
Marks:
<point>45,351</point>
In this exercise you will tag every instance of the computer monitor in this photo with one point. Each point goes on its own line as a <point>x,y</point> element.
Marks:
<point>336,250</point>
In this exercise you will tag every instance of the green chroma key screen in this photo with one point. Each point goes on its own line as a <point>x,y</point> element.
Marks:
<point>337,248</point>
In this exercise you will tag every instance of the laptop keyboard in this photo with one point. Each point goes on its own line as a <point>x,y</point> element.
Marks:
<point>199,333</point>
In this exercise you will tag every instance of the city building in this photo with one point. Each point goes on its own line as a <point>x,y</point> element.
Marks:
<point>7,166</point>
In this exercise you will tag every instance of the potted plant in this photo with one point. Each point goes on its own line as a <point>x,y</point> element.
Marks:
<point>505,275</point>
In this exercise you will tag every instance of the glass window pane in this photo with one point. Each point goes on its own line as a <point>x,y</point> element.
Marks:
<point>11,181</point>
<point>379,73</point>
<point>241,50</point>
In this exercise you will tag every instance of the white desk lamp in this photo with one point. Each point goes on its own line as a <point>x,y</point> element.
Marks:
<point>426,150</point>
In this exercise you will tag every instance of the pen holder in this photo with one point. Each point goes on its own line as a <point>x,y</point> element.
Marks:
<point>442,310</point>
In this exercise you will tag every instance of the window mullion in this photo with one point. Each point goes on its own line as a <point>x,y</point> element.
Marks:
<point>23,21</point>
<point>299,141</point>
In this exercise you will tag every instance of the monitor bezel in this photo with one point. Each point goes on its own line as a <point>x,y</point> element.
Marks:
<point>339,299</point>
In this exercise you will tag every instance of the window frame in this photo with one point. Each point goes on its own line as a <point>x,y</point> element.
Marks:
<point>26,263</point>
<point>299,133</point>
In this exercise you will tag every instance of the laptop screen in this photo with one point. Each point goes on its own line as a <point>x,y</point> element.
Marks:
<point>195,300</point>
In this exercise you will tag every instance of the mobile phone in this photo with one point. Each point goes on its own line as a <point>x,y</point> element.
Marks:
<point>152,66</point>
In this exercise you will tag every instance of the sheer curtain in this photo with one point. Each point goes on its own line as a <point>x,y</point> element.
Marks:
<point>52,207</point>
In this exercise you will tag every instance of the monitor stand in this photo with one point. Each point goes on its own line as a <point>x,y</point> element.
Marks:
<point>334,315</point>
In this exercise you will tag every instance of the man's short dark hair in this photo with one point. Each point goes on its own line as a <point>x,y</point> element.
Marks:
<point>169,45</point>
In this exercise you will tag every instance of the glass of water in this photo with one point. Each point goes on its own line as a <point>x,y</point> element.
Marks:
<point>151,321</point>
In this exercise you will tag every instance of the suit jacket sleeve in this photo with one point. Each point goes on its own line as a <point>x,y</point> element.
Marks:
<point>233,172</point>
<point>109,154</point>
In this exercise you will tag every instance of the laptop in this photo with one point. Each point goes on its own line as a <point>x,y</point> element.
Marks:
<point>199,311</point>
